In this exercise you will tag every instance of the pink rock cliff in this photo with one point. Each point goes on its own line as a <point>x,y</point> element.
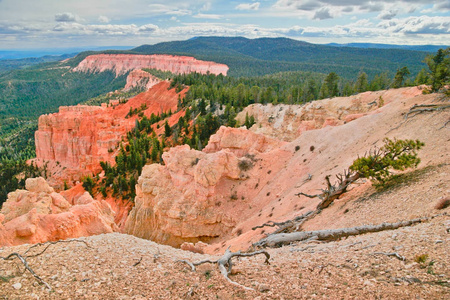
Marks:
<point>122,63</point>
<point>75,140</point>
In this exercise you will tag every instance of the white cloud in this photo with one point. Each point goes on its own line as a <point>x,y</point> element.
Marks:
<point>322,14</point>
<point>207,6</point>
<point>107,30</point>
<point>66,17</point>
<point>168,10</point>
<point>248,6</point>
<point>207,16</point>
<point>387,15</point>
<point>103,19</point>
<point>424,25</point>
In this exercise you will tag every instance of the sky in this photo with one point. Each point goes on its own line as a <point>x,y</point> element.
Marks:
<point>33,24</point>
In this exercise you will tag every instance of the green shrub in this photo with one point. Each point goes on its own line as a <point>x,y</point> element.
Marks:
<point>395,154</point>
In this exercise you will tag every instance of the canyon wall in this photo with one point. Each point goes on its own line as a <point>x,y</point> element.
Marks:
<point>122,63</point>
<point>73,141</point>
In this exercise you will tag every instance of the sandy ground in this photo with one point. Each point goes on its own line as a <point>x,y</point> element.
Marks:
<point>345,269</point>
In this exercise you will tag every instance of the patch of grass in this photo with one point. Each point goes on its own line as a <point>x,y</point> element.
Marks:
<point>208,274</point>
<point>6,278</point>
<point>421,259</point>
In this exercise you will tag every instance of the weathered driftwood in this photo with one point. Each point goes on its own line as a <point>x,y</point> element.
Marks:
<point>289,225</point>
<point>23,257</point>
<point>277,240</point>
<point>333,191</point>
<point>394,254</point>
<point>422,108</point>
<point>225,264</point>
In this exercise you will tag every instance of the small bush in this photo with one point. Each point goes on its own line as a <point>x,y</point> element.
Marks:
<point>245,164</point>
<point>395,154</point>
<point>421,259</point>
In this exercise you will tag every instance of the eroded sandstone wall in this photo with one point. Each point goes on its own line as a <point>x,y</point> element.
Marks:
<point>74,141</point>
<point>122,63</point>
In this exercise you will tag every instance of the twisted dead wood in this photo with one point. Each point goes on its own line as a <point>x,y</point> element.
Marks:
<point>23,257</point>
<point>225,265</point>
<point>277,240</point>
<point>334,191</point>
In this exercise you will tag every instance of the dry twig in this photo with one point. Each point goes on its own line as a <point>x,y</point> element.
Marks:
<point>395,254</point>
<point>225,263</point>
<point>23,257</point>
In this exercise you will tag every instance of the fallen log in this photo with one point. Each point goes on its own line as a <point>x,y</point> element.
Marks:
<point>280,239</point>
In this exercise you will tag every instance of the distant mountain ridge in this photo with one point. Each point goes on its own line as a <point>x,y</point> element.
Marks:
<point>253,57</point>
<point>424,48</point>
<point>38,53</point>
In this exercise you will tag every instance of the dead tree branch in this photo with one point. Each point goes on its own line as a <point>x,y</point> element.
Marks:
<point>289,225</point>
<point>23,257</point>
<point>225,263</point>
<point>334,191</point>
<point>421,108</point>
<point>395,254</point>
<point>277,240</point>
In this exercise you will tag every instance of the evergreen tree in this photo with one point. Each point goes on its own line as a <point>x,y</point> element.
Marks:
<point>167,129</point>
<point>439,66</point>
<point>400,77</point>
<point>361,83</point>
<point>331,83</point>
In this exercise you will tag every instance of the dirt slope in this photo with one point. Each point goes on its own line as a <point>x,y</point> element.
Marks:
<point>346,269</point>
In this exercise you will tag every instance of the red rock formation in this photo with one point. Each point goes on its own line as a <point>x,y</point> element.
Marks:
<point>139,78</point>
<point>243,179</point>
<point>38,214</point>
<point>122,63</point>
<point>197,196</point>
<point>75,140</point>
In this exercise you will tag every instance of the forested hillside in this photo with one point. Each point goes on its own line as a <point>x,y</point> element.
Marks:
<point>252,57</point>
<point>13,64</point>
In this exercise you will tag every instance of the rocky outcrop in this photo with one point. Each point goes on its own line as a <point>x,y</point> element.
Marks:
<point>287,122</point>
<point>243,179</point>
<point>73,141</point>
<point>197,196</point>
<point>38,214</point>
<point>122,63</point>
<point>140,78</point>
